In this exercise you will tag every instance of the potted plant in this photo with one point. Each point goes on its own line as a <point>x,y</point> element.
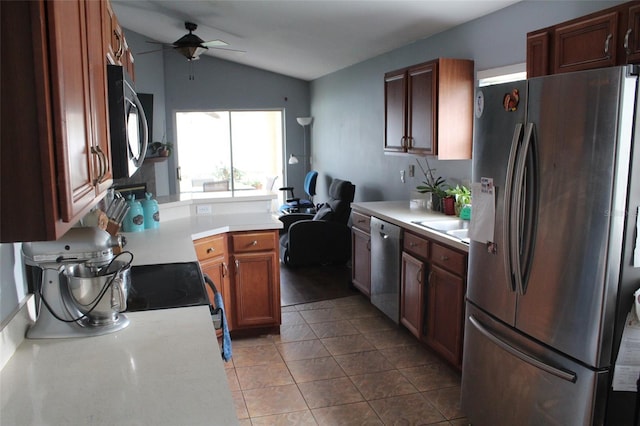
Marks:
<point>433,185</point>
<point>462,196</point>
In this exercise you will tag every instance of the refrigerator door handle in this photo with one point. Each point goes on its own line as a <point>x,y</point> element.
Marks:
<point>558,372</point>
<point>508,199</point>
<point>518,210</point>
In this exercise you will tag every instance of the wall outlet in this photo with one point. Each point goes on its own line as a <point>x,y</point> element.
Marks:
<point>203,209</point>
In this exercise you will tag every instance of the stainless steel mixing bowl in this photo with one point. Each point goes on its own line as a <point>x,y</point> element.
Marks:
<point>86,287</point>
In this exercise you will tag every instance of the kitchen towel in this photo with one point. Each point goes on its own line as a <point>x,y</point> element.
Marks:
<point>226,338</point>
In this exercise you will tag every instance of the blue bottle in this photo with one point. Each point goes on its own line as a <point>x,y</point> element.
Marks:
<point>151,212</point>
<point>134,219</point>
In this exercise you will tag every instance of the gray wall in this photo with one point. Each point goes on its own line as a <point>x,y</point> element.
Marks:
<point>219,84</point>
<point>348,105</point>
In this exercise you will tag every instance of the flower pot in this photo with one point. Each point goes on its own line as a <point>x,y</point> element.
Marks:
<point>449,204</point>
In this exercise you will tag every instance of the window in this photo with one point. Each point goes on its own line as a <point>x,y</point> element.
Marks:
<point>228,151</point>
<point>502,75</point>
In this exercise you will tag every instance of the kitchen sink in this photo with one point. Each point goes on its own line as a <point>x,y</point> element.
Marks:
<point>457,228</point>
<point>444,225</point>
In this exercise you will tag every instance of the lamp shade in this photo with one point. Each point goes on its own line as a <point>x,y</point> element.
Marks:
<point>293,159</point>
<point>304,121</point>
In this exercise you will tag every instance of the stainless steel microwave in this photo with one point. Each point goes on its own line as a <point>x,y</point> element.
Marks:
<point>127,124</point>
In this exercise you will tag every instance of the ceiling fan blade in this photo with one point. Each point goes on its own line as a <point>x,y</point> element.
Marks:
<point>229,50</point>
<point>150,51</point>
<point>214,43</point>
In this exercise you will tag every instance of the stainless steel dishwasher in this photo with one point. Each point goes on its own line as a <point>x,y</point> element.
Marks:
<point>386,248</point>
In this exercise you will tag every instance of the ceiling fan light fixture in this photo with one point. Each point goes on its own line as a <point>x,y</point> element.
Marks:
<point>191,52</point>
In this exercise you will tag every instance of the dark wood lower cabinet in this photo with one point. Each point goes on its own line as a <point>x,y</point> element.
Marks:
<point>445,307</point>
<point>432,292</point>
<point>412,285</point>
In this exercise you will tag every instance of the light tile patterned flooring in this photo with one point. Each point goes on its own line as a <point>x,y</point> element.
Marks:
<point>341,362</point>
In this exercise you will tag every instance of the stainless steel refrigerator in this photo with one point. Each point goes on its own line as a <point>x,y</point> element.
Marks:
<point>548,295</point>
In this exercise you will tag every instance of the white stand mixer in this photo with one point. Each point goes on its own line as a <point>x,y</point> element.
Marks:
<point>83,286</point>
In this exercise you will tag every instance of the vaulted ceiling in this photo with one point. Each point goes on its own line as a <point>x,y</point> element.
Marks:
<point>306,39</point>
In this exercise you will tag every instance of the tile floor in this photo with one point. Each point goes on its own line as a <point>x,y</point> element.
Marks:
<point>341,362</point>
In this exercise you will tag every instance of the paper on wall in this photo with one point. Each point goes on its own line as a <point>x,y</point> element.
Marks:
<point>483,218</point>
<point>626,372</point>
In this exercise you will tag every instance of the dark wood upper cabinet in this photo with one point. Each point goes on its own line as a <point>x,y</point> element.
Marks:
<point>632,35</point>
<point>429,109</point>
<point>587,44</point>
<point>602,39</point>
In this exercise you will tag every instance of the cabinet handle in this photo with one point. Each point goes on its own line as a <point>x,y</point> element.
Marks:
<point>104,162</point>
<point>210,250</point>
<point>225,269</point>
<point>626,41</point>
<point>97,152</point>
<point>410,142</point>
<point>419,275</point>
<point>428,283</point>
<point>606,45</point>
<point>120,45</point>
<point>444,258</point>
<point>369,244</point>
<point>254,242</point>
<point>237,265</point>
<point>412,244</point>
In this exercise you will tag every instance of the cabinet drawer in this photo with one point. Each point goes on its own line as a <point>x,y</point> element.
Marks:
<point>449,259</point>
<point>253,241</point>
<point>361,221</point>
<point>416,245</point>
<point>210,247</point>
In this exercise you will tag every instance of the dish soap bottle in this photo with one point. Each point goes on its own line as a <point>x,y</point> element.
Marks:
<point>151,212</point>
<point>134,220</point>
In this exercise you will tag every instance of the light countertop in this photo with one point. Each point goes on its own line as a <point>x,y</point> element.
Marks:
<point>173,240</point>
<point>400,213</point>
<point>163,369</point>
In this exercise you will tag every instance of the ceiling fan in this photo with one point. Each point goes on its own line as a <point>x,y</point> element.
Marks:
<point>191,46</point>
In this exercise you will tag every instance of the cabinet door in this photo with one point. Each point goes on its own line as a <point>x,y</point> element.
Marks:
<point>256,289</point>
<point>588,44</point>
<point>71,105</point>
<point>101,148</point>
<point>114,37</point>
<point>217,269</point>
<point>395,111</point>
<point>537,54</point>
<point>411,294</point>
<point>421,111</point>
<point>445,314</point>
<point>632,37</point>
<point>361,261</point>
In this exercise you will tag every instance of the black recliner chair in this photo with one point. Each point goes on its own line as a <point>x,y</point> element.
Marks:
<point>323,238</point>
